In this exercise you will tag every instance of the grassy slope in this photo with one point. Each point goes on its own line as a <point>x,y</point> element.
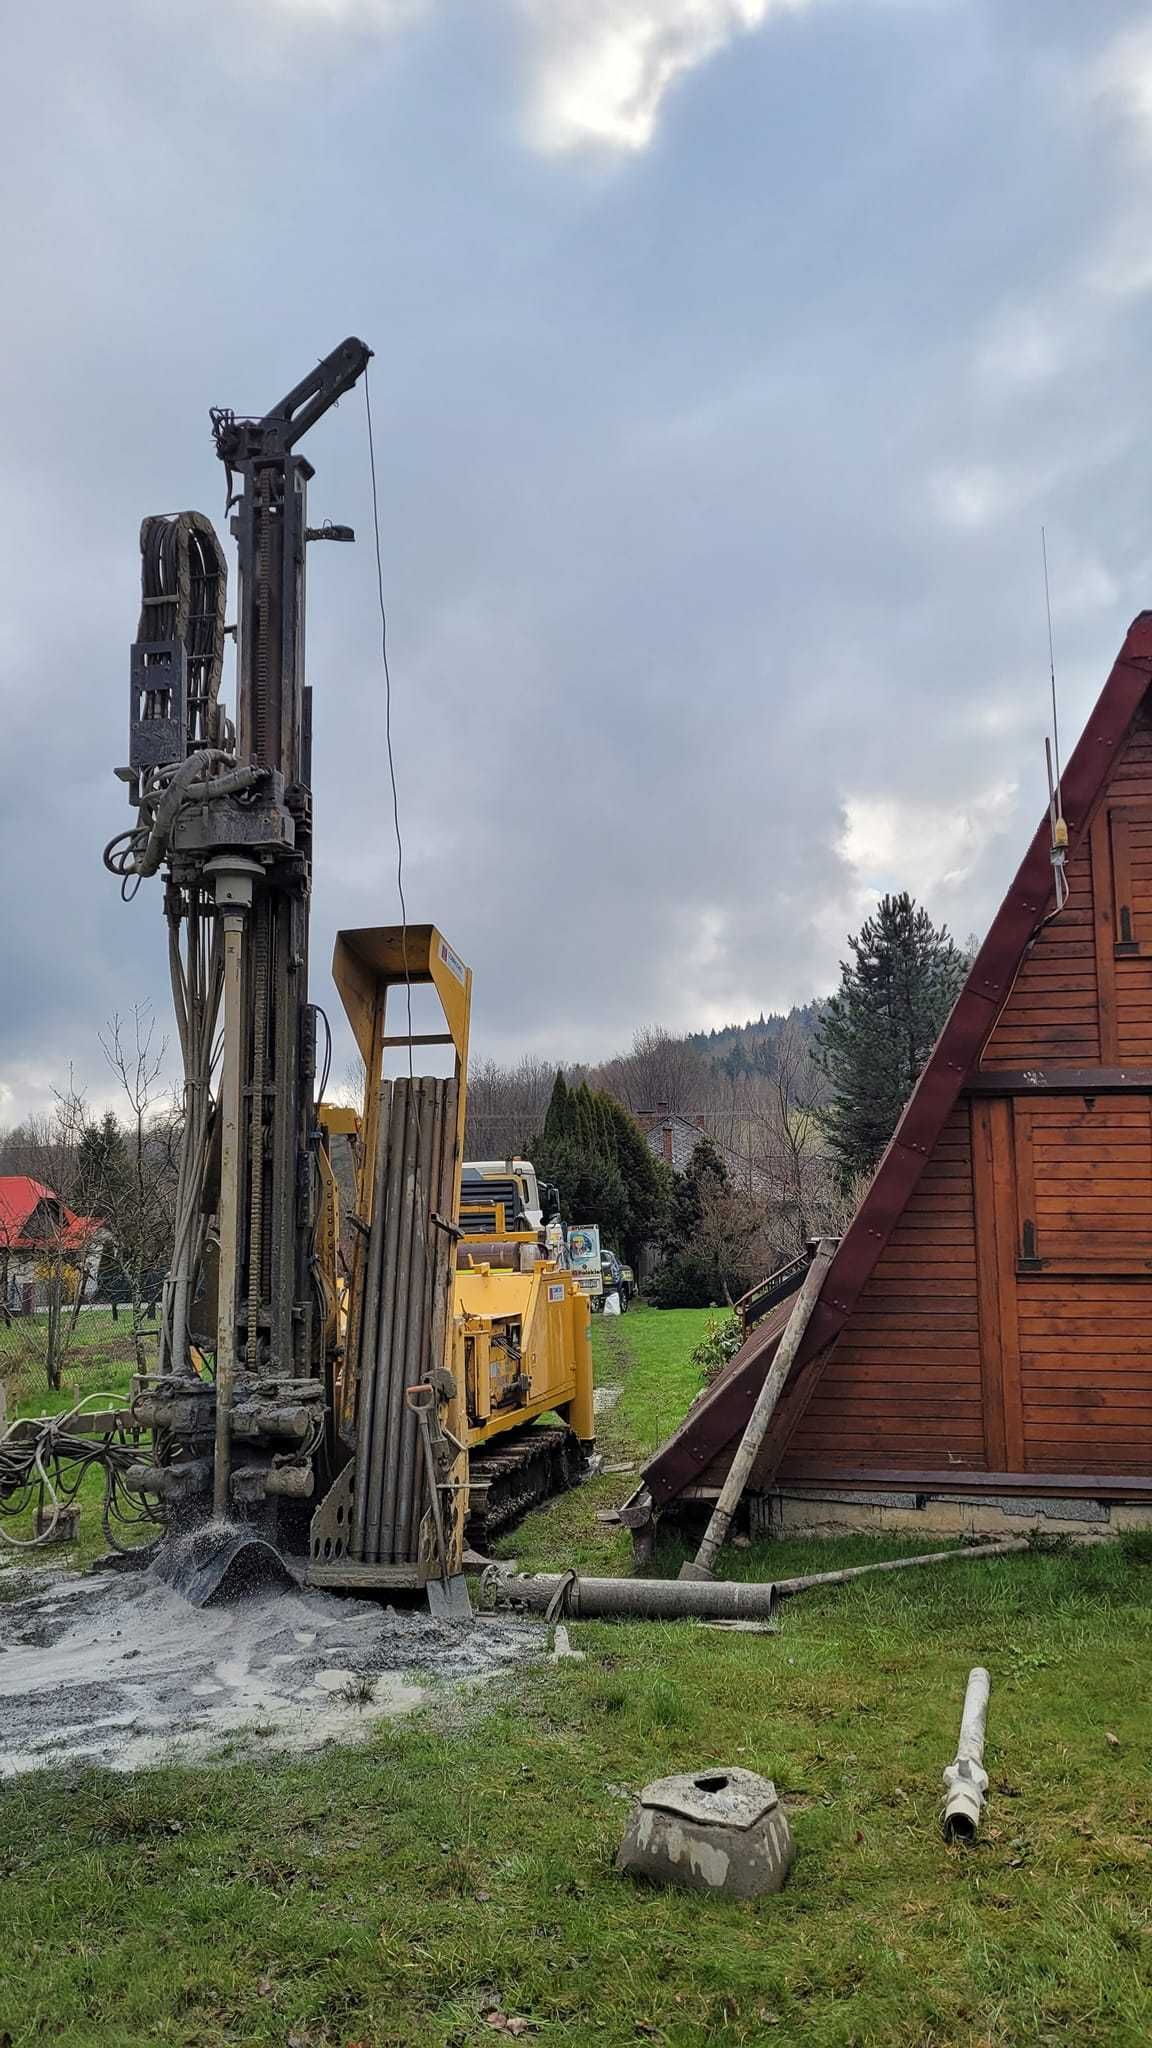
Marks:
<point>390,1896</point>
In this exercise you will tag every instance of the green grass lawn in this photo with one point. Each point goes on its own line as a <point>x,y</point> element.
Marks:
<point>395,1895</point>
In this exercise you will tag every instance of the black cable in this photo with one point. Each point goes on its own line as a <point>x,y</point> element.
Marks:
<point>388,714</point>
<point>323,1014</point>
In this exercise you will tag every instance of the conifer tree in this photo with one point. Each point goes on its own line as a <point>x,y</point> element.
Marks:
<point>556,1119</point>
<point>876,1032</point>
<point>596,1154</point>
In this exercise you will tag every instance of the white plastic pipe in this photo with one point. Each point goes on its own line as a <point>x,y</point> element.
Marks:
<point>966,1780</point>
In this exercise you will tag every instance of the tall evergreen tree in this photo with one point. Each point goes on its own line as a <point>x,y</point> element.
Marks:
<point>596,1154</point>
<point>557,1122</point>
<point>876,1032</point>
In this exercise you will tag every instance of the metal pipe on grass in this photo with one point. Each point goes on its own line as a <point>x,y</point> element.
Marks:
<point>965,1779</point>
<point>566,1593</point>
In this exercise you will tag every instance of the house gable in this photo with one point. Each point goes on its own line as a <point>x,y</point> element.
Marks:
<point>947,1335</point>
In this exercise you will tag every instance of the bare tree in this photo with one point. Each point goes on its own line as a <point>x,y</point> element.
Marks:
<point>140,1201</point>
<point>506,1106</point>
<point>660,1072</point>
<point>732,1236</point>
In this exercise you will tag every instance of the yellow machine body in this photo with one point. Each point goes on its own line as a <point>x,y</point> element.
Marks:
<point>515,1345</point>
<point>526,1348</point>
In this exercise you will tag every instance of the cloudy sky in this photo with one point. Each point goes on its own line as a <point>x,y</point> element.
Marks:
<point>729,356</point>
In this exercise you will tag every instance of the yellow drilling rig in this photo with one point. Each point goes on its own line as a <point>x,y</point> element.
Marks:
<point>358,1410</point>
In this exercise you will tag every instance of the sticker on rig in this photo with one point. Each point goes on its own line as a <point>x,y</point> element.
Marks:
<point>556,1290</point>
<point>453,962</point>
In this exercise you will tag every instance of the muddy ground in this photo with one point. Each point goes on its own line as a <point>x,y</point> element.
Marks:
<point>114,1668</point>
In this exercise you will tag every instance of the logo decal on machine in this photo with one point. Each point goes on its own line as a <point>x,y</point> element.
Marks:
<point>453,962</point>
<point>556,1290</point>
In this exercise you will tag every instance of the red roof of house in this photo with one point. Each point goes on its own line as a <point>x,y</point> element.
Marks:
<point>20,1197</point>
<point>724,1410</point>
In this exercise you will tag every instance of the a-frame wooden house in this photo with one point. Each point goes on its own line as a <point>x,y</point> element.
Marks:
<point>985,1328</point>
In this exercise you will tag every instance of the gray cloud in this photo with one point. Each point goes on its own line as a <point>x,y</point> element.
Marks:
<point>713,463</point>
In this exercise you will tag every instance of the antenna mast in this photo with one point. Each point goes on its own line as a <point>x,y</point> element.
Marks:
<point>1056,822</point>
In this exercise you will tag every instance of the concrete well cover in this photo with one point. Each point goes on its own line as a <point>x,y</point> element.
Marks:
<point>724,1797</point>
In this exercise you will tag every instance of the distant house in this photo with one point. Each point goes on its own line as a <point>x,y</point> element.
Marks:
<point>674,1138</point>
<point>39,1234</point>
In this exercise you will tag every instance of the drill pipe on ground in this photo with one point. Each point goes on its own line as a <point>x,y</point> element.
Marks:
<point>966,1780</point>
<point>566,1593</point>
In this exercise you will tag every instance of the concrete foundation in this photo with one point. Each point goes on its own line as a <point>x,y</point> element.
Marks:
<point>830,1512</point>
<point>716,1831</point>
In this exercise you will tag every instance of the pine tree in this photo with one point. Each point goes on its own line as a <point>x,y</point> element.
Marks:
<point>876,1032</point>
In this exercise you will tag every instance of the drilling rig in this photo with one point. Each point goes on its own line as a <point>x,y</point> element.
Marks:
<point>337,1407</point>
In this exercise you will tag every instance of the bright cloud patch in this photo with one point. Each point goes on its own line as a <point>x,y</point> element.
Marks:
<point>598,69</point>
<point>602,67</point>
<point>896,843</point>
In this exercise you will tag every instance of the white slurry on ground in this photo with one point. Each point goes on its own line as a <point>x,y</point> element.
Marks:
<point>604,1399</point>
<point>115,1669</point>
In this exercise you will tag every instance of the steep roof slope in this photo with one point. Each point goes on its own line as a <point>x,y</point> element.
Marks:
<point>20,1197</point>
<point>722,1414</point>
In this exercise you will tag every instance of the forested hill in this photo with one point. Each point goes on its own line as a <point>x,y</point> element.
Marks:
<point>750,1048</point>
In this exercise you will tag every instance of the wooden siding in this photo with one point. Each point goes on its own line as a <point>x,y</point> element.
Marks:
<point>1083,995</point>
<point>1051,1015</point>
<point>904,1384</point>
<point>1086,1374</point>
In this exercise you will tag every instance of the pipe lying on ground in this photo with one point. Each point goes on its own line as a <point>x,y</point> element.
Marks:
<point>563,1593</point>
<point>1002,1548</point>
<point>566,1593</point>
<point>966,1780</point>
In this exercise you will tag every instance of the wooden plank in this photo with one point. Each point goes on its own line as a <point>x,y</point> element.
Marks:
<point>1123,912</point>
<point>1119,1407</point>
<point>1104,928</point>
<point>1101,1346</point>
<point>859,1376</point>
<point>751,1442</point>
<point>929,1429</point>
<point>1002,1132</point>
<point>1026,1222</point>
<point>950,1342</point>
<point>1051,1080</point>
<point>1063,1334</point>
<point>989,1298</point>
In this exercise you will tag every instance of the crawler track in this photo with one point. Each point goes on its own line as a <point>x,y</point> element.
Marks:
<point>517,1473</point>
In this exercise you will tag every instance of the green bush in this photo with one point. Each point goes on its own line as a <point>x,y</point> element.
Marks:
<point>684,1280</point>
<point>721,1341</point>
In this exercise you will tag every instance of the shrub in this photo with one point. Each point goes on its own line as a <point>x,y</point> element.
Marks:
<point>684,1280</point>
<point>720,1342</point>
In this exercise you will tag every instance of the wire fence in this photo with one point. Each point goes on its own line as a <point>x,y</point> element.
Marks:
<point>93,1350</point>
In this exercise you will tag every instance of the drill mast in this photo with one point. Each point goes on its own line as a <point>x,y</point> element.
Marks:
<point>230,814</point>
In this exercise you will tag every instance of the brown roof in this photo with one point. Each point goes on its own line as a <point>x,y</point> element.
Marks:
<point>714,1421</point>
